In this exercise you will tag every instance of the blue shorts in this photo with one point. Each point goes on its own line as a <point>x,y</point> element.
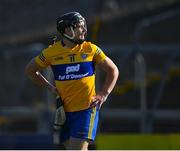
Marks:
<point>80,124</point>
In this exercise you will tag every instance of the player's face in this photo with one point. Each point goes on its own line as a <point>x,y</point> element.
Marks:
<point>80,30</point>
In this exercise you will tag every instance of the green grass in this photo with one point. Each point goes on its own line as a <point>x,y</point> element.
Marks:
<point>138,142</point>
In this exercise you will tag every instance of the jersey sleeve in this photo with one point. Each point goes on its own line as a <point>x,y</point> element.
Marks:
<point>42,59</point>
<point>99,55</point>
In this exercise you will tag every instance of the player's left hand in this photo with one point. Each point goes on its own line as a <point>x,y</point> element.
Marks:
<point>98,99</point>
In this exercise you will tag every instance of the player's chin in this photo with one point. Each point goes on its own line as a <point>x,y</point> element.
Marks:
<point>82,37</point>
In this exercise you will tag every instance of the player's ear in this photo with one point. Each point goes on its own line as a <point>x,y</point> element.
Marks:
<point>67,31</point>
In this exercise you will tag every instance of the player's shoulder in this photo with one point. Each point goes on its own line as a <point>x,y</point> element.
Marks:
<point>51,50</point>
<point>89,46</point>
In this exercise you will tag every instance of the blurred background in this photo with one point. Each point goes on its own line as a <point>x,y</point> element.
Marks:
<point>141,36</point>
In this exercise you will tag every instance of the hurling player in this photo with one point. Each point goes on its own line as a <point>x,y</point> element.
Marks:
<point>73,62</point>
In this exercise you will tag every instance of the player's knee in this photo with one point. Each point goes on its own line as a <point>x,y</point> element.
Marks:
<point>66,144</point>
<point>77,144</point>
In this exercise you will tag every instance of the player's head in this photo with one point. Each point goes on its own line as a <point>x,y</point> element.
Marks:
<point>72,26</point>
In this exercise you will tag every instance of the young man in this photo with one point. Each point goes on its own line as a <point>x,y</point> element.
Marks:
<point>73,63</point>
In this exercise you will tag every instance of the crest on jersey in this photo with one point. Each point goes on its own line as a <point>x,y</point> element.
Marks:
<point>84,56</point>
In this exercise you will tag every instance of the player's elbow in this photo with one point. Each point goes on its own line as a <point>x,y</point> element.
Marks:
<point>30,69</point>
<point>115,71</point>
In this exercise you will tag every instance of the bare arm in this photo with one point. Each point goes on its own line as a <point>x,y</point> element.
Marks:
<point>112,74</point>
<point>33,72</point>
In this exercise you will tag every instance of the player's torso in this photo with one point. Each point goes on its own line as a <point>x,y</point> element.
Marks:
<point>74,75</point>
<point>72,64</point>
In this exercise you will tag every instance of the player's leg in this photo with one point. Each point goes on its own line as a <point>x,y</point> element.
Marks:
<point>80,127</point>
<point>77,144</point>
<point>66,144</point>
<point>84,128</point>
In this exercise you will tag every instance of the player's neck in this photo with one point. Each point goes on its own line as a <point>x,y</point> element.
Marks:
<point>68,44</point>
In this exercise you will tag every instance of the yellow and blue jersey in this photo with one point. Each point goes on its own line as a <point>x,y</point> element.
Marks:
<point>74,72</point>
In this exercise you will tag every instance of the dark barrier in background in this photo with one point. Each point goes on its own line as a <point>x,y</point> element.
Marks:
<point>26,142</point>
